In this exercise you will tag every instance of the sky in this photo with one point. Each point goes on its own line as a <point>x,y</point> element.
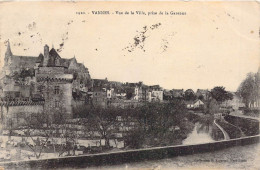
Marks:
<point>214,44</point>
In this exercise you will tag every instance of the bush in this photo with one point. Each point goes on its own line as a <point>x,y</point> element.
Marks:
<point>134,139</point>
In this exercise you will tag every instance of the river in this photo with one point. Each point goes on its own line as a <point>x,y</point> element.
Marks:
<point>200,134</point>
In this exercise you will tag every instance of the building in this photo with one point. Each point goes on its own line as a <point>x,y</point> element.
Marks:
<point>189,104</point>
<point>198,104</point>
<point>57,82</point>
<point>100,94</point>
<point>194,104</point>
<point>99,98</point>
<point>155,93</point>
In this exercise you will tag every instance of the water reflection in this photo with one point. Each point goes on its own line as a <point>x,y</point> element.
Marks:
<point>200,134</point>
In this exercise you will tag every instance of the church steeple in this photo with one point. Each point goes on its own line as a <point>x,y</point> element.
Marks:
<point>8,54</point>
<point>8,50</point>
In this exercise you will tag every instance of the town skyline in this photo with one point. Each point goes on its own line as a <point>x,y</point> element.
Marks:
<point>185,62</point>
<point>124,82</point>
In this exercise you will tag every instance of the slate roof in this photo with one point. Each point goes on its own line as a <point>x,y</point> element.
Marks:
<point>40,58</point>
<point>167,93</point>
<point>23,61</point>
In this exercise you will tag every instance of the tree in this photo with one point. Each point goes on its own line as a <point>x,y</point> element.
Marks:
<point>40,128</point>
<point>249,89</point>
<point>127,126</point>
<point>129,95</point>
<point>134,138</point>
<point>156,122</point>
<point>36,125</point>
<point>102,121</point>
<point>9,126</point>
<point>201,97</point>
<point>189,95</point>
<point>213,107</point>
<point>220,94</point>
<point>65,131</point>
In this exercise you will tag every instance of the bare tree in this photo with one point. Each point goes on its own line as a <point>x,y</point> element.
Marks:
<point>103,122</point>
<point>37,132</point>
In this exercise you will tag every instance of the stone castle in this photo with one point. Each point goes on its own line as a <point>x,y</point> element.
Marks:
<point>48,83</point>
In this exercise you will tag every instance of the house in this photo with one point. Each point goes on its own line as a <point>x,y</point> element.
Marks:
<point>198,104</point>
<point>110,93</point>
<point>120,93</point>
<point>189,104</point>
<point>100,82</point>
<point>156,93</point>
<point>99,97</point>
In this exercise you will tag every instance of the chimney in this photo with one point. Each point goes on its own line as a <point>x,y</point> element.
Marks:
<point>46,55</point>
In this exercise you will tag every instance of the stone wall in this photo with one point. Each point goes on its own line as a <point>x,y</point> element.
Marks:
<point>16,113</point>
<point>59,101</point>
<point>128,156</point>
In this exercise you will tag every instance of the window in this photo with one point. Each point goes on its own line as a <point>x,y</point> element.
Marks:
<point>40,88</point>
<point>57,103</point>
<point>17,94</point>
<point>56,90</point>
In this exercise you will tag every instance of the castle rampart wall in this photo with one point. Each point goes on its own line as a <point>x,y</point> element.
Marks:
<point>15,113</point>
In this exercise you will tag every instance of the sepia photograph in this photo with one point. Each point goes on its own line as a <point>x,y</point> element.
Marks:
<point>138,85</point>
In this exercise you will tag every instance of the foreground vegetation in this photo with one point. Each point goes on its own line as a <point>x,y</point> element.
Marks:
<point>152,124</point>
<point>232,131</point>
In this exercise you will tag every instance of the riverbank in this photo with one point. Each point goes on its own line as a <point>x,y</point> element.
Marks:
<point>248,125</point>
<point>129,156</point>
<point>232,131</point>
<point>120,157</point>
<point>208,121</point>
